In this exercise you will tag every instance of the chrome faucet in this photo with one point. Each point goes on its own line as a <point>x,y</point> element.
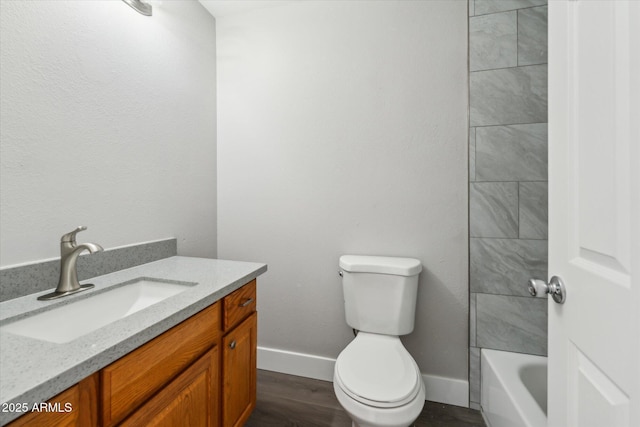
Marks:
<point>69,251</point>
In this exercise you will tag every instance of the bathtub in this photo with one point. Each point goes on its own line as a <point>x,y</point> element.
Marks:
<point>514,389</point>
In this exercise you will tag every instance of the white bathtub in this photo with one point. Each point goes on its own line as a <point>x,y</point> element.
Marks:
<point>514,389</point>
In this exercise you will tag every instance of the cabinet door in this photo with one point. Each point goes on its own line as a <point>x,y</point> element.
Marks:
<point>191,399</point>
<point>80,401</point>
<point>130,381</point>
<point>239,372</point>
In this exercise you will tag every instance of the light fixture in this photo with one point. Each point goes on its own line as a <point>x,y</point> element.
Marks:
<point>143,8</point>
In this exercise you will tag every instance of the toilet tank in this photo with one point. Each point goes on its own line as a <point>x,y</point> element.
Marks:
<point>380,293</point>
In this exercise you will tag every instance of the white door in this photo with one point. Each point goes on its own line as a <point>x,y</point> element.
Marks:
<point>594,212</point>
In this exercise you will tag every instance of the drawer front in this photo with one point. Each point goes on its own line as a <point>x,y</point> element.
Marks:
<point>239,304</point>
<point>131,380</point>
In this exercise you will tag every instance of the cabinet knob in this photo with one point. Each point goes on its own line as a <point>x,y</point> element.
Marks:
<point>232,345</point>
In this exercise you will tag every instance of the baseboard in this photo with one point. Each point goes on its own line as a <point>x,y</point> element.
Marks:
<point>486,421</point>
<point>438,389</point>
<point>446,390</point>
<point>300,364</point>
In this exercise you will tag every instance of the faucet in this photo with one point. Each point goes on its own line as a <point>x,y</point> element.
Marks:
<point>69,251</point>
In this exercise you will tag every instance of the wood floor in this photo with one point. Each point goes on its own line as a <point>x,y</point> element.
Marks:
<point>290,401</point>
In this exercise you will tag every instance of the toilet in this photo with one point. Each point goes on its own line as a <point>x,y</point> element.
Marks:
<point>375,379</point>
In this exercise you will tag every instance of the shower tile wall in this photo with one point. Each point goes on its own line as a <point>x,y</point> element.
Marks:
<point>508,178</point>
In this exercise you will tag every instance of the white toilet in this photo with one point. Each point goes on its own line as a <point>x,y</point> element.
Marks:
<point>375,379</point>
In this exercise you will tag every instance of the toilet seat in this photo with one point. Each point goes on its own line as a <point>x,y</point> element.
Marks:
<point>378,371</point>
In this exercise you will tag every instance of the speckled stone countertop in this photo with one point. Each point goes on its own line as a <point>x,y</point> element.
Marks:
<point>34,371</point>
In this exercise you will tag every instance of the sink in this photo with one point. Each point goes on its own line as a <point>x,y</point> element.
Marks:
<point>66,322</point>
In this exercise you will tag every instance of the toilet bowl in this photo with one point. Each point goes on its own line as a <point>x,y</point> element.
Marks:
<point>375,379</point>
<point>378,383</point>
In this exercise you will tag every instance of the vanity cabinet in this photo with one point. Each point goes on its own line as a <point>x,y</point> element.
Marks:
<point>201,372</point>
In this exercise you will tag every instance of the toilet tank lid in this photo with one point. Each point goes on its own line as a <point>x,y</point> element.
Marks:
<point>380,264</point>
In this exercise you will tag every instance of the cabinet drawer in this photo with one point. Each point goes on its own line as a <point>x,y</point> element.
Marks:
<point>133,379</point>
<point>239,304</point>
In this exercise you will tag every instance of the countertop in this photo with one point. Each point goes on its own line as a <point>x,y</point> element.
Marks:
<point>34,371</point>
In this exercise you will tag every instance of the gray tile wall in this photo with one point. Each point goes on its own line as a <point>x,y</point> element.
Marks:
<point>507,178</point>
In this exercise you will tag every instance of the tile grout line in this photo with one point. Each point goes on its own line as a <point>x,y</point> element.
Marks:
<point>517,38</point>
<point>510,180</point>
<point>510,124</point>
<point>510,10</point>
<point>506,295</point>
<point>508,68</point>
<point>475,155</point>
<point>518,199</point>
<point>506,238</point>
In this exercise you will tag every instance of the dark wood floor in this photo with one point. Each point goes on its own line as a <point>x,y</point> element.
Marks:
<point>290,401</point>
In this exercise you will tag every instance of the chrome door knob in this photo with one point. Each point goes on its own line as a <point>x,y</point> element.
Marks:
<point>556,288</point>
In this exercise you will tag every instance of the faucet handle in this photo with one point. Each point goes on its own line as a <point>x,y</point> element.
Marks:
<point>70,237</point>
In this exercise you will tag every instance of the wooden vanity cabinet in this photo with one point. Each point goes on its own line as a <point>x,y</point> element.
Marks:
<point>201,372</point>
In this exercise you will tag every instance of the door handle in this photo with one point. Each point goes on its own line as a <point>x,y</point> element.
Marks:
<point>556,288</point>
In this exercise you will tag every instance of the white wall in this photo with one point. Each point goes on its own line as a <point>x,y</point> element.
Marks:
<point>342,130</point>
<point>108,119</point>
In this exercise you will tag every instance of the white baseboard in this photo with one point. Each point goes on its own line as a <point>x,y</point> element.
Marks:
<point>438,389</point>
<point>446,390</point>
<point>300,364</point>
<point>486,421</point>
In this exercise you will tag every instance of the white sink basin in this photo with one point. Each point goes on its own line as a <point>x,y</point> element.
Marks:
<point>67,322</point>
